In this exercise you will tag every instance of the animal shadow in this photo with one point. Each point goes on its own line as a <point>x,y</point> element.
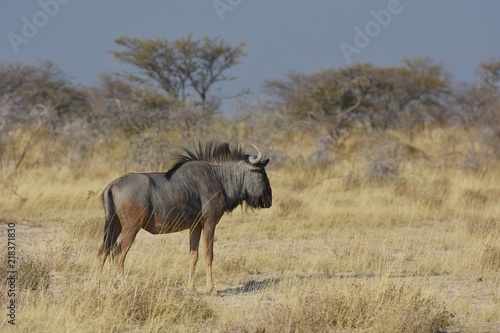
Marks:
<point>250,287</point>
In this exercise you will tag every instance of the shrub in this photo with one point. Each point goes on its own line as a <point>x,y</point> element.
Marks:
<point>289,206</point>
<point>482,227</point>
<point>33,273</point>
<point>474,197</point>
<point>88,228</point>
<point>145,302</point>
<point>382,163</point>
<point>356,306</point>
<point>490,258</point>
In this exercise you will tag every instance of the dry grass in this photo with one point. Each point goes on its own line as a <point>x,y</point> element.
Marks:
<point>388,239</point>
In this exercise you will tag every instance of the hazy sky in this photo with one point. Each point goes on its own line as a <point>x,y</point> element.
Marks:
<point>280,36</point>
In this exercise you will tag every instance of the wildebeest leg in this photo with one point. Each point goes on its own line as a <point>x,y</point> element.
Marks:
<point>194,243</point>
<point>208,234</point>
<point>128,233</point>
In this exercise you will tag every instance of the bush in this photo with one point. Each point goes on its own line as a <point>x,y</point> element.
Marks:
<point>477,226</point>
<point>33,273</point>
<point>355,306</point>
<point>490,258</point>
<point>147,302</point>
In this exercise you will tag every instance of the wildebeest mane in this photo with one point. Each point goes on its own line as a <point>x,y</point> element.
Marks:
<point>212,153</point>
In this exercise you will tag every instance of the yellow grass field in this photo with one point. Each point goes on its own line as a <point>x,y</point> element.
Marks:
<point>396,234</point>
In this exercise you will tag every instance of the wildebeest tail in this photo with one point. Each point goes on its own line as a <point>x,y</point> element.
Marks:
<point>110,225</point>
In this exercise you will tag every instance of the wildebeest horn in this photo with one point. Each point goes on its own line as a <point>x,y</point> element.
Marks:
<point>255,159</point>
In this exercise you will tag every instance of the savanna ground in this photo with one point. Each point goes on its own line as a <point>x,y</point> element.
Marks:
<point>397,233</point>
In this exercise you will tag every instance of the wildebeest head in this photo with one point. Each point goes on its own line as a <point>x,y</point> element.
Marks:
<point>243,176</point>
<point>257,189</point>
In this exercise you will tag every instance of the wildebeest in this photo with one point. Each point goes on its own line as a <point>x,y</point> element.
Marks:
<point>194,194</point>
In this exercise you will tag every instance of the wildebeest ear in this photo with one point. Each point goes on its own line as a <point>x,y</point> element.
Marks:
<point>263,163</point>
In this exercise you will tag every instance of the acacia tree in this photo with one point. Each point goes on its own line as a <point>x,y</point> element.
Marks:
<point>380,97</point>
<point>489,74</point>
<point>38,103</point>
<point>182,65</point>
<point>28,86</point>
<point>478,104</point>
